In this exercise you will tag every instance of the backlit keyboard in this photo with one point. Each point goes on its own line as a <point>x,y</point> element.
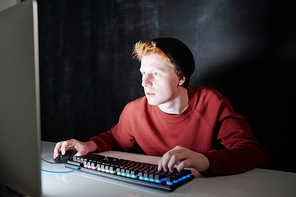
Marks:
<point>133,172</point>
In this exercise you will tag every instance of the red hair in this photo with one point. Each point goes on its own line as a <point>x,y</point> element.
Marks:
<point>148,48</point>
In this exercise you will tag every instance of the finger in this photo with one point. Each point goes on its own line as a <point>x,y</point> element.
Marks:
<point>163,164</point>
<point>174,160</point>
<point>78,154</point>
<point>182,165</point>
<point>159,166</point>
<point>56,151</point>
<point>66,144</point>
<point>172,163</point>
<point>63,147</point>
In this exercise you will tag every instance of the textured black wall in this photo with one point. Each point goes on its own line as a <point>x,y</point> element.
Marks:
<point>244,49</point>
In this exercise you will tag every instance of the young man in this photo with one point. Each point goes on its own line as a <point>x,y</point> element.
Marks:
<point>188,126</point>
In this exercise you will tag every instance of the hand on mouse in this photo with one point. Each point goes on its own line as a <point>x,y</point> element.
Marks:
<point>81,147</point>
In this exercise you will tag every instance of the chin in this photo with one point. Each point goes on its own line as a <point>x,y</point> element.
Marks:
<point>151,102</point>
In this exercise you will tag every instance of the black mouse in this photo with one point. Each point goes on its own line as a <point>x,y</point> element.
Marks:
<point>66,157</point>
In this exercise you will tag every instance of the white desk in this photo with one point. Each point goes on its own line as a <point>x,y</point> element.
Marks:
<point>257,182</point>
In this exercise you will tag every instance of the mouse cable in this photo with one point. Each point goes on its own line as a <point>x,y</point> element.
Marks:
<point>48,161</point>
<point>59,172</point>
<point>48,171</point>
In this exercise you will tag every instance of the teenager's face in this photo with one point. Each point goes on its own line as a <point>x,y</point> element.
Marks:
<point>159,80</point>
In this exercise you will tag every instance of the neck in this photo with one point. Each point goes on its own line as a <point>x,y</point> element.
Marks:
<point>178,104</point>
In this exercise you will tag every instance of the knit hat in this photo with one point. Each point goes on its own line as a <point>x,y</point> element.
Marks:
<point>179,53</point>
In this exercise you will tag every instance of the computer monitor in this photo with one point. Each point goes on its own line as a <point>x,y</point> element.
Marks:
<point>20,140</point>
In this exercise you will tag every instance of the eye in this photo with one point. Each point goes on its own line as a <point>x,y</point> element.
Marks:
<point>156,74</point>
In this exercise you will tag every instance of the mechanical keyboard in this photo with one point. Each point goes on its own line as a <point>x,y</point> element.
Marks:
<point>133,172</point>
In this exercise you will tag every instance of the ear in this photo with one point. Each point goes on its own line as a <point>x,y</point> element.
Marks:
<point>181,79</point>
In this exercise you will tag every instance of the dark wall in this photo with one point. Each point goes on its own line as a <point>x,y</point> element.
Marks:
<point>244,49</point>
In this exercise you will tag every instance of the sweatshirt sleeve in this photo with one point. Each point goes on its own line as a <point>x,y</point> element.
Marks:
<point>241,150</point>
<point>118,136</point>
<point>104,141</point>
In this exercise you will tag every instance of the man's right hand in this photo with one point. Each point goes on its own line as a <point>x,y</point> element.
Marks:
<point>82,147</point>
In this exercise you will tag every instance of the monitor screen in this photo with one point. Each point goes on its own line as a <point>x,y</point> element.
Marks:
<point>19,99</point>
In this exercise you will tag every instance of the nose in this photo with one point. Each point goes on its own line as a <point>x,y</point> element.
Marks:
<point>146,81</point>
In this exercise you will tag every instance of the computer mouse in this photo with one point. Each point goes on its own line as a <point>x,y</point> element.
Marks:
<point>66,157</point>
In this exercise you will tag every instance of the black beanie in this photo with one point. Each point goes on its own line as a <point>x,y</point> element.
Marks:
<point>179,53</point>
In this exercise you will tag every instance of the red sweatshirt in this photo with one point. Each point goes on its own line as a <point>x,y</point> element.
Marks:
<point>209,125</point>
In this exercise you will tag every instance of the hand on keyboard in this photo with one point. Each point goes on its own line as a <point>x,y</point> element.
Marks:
<point>183,158</point>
